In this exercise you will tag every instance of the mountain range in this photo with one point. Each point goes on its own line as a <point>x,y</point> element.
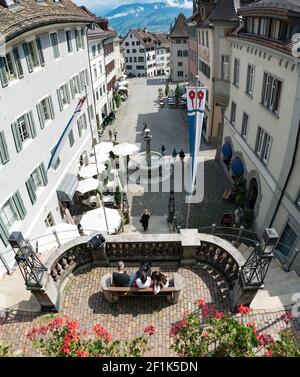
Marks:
<point>158,16</point>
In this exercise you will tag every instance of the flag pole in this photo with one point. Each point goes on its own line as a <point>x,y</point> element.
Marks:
<point>191,193</point>
<point>95,154</point>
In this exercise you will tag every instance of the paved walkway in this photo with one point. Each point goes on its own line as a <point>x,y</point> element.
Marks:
<point>85,302</point>
<point>169,128</point>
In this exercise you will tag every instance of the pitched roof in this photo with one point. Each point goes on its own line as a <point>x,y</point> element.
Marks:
<point>225,10</point>
<point>30,14</point>
<point>145,37</point>
<point>293,5</point>
<point>180,29</point>
<point>163,40</point>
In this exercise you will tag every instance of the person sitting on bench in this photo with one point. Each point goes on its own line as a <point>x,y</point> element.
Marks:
<point>160,281</point>
<point>121,278</point>
<point>143,281</point>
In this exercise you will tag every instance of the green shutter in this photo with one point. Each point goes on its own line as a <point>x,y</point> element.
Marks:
<point>4,155</point>
<point>79,127</point>
<point>28,57</point>
<point>18,202</point>
<point>31,124</point>
<point>68,93</point>
<point>31,190</point>
<point>61,107</point>
<point>82,37</point>
<point>72,88</point>
<point>79,83</point>
<point>43,174</point>
<point>40,51</point>
<point>18,62</point>
<point>3,74</point>
<point>4,233</point>
<point>50,104</point>
<point>17,138</point>
<point>41,118</point>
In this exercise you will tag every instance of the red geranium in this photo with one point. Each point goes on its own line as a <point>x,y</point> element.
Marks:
<point>244,310</point>
<point>287,317</point>
<point>219,315</point>
<point>149,330</point>
<point>101,332</point>
<point>200,302</point>
<point>81,353</point>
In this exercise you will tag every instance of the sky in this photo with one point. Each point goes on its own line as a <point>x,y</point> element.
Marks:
<point>106,5</point>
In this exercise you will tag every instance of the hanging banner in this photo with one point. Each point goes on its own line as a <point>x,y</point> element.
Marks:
<point>196,97</point>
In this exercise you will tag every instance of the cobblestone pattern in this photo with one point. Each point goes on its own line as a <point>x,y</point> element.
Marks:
<point>128,318</point>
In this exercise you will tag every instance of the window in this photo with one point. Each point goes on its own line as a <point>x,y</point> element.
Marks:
<point>94,51</point>
<point>126,43</point>
<point>49,220</point>
<point>179,53</point>
<point>207,41</point>
<point>130,59</point>
<point>55,47</point>
<point>78,39</point>
<point>58,161</point>
<point>81,124</point>
<point>249,24</point>
<point>233,113</point>
<point>141,59</point>
<point>271,93</point>
<point>74,85</point>
<point>185,53</point>
<point>91,108</point>
<point>84,78</point>
<point>69,41</point>
<point>95,71</point>
<point>140,67</point>
<point>204,68</point>
<point>31,54</point>
<point>9,214</point>
<point>274,29</point>
<point>263,145</point>
<point>134,51</point>
<point>63,96</point>
<point>264,27</point>
<point>128,51</point>
<point>255,25</point>
<point>236,72</point>
<point>23,130</point>
<point>4,155</point>
<point>203,38</point>
<point>99,48</point>
<point>133,43</point>
<point>71,138</point>
<point>180,73</point>
<point>9,67</point>
<point>37,180</point>
<point>286,243</point>
<point>225,67</point>
<point>245,125</point>
<point>45,111</point>
<point>179,64</point>
<point>250,80</point>
<point>135,59</point>
<point>138,43</point>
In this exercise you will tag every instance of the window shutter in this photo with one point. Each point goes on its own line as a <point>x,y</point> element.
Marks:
<point>79,83</point>
<point>31,124</point>
<point>18,202</point>
<point>31,190</point>
<point>59,100</point>
<point>43,174</point>
<point>28,56</point>
<point>79,127</point>
<point>68,93</point>
<point>4,233</point>
<point>3,74</point>
<point>40,51</point>
<point>3,149</point>
<point>18,62</point>
<point>82,37</point>
<point>77,39</point>
<point>72,88</point>
<point>86,77</point>
<point>50,104</point>
<point>41,118</point>
<point>17,138</point>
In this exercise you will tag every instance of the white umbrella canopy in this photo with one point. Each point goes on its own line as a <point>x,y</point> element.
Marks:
<point>87,185</point>
<point>88,171</point>
<point>104,147</point>
<point>125,149</point>
<point>101,157</point>
<point>65,233</point>
<point>95,220</point>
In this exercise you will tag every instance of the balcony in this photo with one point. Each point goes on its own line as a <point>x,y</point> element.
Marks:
<point>222,89</point>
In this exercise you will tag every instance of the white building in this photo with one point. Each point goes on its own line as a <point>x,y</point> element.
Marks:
<point>261,127</point>
<point>119,58</point>
<point>139,53</point>
<point>179,37</point>
<point>162,53</point>
<point>43,69</point>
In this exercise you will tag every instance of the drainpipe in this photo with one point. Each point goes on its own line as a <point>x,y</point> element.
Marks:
<point>288,177</point>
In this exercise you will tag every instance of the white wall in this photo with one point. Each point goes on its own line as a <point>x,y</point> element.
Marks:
<point>175,60</point>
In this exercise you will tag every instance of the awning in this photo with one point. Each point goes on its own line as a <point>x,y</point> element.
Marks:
<point>67,188</point>
<point>227,150</point>
<point>87,185</point>
<point>237,167</point>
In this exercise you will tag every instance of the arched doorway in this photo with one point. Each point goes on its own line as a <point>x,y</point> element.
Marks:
<point>252,194</point>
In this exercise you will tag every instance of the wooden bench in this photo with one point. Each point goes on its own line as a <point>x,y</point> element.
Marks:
<point>113,294</point>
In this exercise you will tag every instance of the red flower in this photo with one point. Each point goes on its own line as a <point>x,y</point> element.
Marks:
<point>175,328</point>
<point>186,312</point>
<point>149,330</point>
<point>81,353</point>
<point>243,310</point>
<point>264,339</point>
<point>205,334</point>
<point>66,349</point>
<point>101,332</point>
<point>269,352</point>
<point>287,317</point>
<point>219,315</point>
<point>200,302</point>
<point>253,325</point>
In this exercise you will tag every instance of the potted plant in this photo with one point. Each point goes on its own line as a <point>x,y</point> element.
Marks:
<point>118,197</point>
<point>240,199</point>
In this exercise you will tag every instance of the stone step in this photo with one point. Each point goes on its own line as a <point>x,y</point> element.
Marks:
<point>263,301</point>
<point>274,273</point>
<point>278,276</point>
<point>282,287</point>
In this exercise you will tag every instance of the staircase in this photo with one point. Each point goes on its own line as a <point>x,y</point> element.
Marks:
<point>279,286</point>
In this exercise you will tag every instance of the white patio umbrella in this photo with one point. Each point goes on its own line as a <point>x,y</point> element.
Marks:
<point>90,170</point>
<point>87,185</point>
<point>95,220</point>
<point>102,157</point>
<point>104,147</point>
<point>56,236</point>
<point>125,149</point>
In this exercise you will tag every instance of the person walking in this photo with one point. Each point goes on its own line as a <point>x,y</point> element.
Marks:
<point>163,150</point>
<point>115,134</point>
<point>182,154</point>
<point>144,220</point>
<point>174,154</point>
<point>110,134</point>
<point>144,128</point>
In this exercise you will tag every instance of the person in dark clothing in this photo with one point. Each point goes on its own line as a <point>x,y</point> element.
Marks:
<point>121,278</point>
<point>181,154</point>
<point>145,219</point>
<point>174,154</point>
<point>145,126</point>
<point>115,134</point>
<point>163,150</point>
<point>110,134</point>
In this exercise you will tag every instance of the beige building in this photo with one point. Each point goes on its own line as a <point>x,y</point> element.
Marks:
<point>261,125</point>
